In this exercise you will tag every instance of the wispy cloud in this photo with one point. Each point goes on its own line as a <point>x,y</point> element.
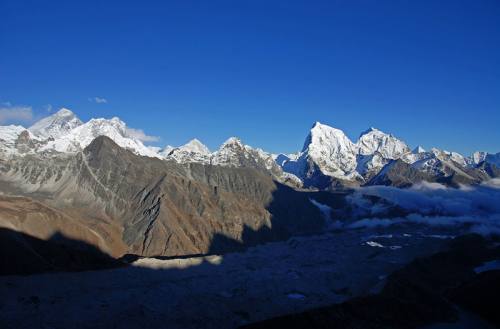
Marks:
<point>48,107</point>
<point>141,135</point>
<point>98,100</point>
<point>9,113</point>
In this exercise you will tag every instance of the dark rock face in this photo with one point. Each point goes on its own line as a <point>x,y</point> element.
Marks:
<point>315,179</point>
<point>480,295</point>
<point>400,174</point>
<point>454,175</point>
<point>161,207</point>
<point>489,169</point>
<point>421,293</point>
<point>24,143</point>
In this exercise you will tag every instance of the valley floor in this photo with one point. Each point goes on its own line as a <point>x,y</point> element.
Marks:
<point>215,291</point>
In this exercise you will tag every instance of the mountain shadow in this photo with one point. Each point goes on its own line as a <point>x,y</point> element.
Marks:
<point>423,292</point>
<point>292,213</point>
<point>22,254</point>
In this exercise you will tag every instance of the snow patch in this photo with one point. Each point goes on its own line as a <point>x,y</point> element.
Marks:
<point>374,244</point>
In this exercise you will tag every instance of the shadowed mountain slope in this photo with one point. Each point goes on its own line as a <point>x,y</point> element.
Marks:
<point>161,207</point>
<point>24,254</point>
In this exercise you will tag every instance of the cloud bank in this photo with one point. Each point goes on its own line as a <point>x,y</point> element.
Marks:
<point>477,207</point>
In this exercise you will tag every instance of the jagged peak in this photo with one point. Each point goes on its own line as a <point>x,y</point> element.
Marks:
<point>167,149</point>
<point>56,125</point>
<point>117,120</point>
<point>418,149</point>
<point>374,140</point>
<point>196,146</point>
<point>371,130</point>
<point>195,141</point>
<point>232,141</point>
<point>316,123</point>
<point>375,132</point>
<point>321,133</point>
<point>64,112</point>
<point>114,121</point>
<point>99,143</point>
<point>318,126</point>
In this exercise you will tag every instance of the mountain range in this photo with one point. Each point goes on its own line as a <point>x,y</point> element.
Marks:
<point>97,182</point>
<point>328,159</point>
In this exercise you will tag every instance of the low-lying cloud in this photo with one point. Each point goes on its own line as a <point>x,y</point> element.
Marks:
<point>433,204</point>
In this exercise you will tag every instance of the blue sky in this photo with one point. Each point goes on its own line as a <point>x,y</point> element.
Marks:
<point>426,71</point>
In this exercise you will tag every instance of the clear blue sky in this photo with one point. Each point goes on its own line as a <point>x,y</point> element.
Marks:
<point>426,71</point>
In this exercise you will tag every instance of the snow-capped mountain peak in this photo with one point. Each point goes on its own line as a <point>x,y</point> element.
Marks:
<point>374,140</point>
<point>418,149</point>
<point>192,151</point>
<point>330,149</point>
<point>229,152</point>
<point>195,146</point>
<point>232,142</point>
<point>368,131</point>
<point>56,125</point>
<point>478,157</point>
<point>324,135</point>
<point>79,137</point>
<point>166,150</point>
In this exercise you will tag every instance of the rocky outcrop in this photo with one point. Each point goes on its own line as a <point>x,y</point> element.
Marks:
<point>399,173</point>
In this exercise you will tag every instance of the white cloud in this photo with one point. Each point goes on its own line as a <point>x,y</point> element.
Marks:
<point>495,182</point>
<point>98,100</point>
<point>430,204</point>
<point>15,114</point>
<point>48,107</point>
<point>141,135</point>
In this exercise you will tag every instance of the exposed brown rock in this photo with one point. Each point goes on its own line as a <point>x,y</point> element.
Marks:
<point>161,207</point>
